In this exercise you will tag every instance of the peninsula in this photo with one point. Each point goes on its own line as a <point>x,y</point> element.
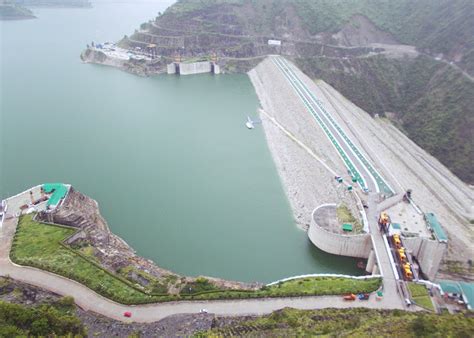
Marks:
<point>19,9</point>
<point>11,11</point>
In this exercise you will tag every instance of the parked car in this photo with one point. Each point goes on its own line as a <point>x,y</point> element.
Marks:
<point>127,314</point>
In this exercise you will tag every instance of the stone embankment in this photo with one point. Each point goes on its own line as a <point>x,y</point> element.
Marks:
<point>307,181</point>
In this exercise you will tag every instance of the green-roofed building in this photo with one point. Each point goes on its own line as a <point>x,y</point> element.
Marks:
<point>57,190</point>
<point>449,286</point>
<point>347,227</point>
<point>435,226</point>
<point>466,290</point>
<point>468,294</point>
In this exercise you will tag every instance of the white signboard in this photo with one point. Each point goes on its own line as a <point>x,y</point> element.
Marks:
<point>274,42</point>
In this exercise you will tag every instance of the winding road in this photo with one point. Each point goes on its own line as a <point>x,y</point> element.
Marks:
<point>91,301</point>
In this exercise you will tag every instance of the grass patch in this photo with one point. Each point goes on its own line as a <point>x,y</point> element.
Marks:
<point>344,215</point>
<point>420,296</point>
<point>41,245</point>
<point>200,285</point>
<point>154,286</point>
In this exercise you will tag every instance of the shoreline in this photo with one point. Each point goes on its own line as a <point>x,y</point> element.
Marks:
<point>306,174</point>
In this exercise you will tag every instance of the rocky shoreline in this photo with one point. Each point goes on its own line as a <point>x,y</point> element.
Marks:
<point>113,253</point>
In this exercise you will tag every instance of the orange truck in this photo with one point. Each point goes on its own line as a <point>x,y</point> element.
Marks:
<point>407,271</point>
<point>397,241</point>
<point>402,255</point>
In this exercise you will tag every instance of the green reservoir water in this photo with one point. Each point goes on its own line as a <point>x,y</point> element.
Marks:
<point>175,171</point>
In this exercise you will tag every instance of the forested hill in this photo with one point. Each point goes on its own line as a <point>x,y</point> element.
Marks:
<point>10,11</point>
<point>53,3</point>
<point>412,61</point>
<point>443,28</point>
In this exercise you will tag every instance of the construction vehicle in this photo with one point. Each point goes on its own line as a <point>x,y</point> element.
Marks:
<point>397,241</point>
<point>407,271</point>
<point>402,255</point>
<point>384,221</point>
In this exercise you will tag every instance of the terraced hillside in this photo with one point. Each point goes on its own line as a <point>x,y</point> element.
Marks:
<point>412,61</point>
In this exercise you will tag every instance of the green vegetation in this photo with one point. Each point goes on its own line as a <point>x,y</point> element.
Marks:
<point>431,101</point>
<point>420,296</point>
<point>154,285</point>
<point>344,215</point>
<point>57,319</point>
<point>40,245</point>
<point>187,6</point>
<point>358,322</point>
<point>200,285</point>
<point>438,26</point>
<point>324,286</point>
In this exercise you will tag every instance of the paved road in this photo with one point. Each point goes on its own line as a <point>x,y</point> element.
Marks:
<point>89,300</point>
<point>359,166</point>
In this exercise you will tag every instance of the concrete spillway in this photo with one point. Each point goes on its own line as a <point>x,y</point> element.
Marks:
<point>193,68</point>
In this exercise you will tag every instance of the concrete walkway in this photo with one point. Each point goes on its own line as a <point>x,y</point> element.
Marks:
<point>91,301</point>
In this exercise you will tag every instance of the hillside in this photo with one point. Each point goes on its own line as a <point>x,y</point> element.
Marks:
<point>53,3</point>
<point>426,99</point>
<point>412,61</point>
<point>10,11</point>
<point>347,322</point>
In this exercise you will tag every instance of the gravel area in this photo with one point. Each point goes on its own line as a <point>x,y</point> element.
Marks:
<point>307,182</point>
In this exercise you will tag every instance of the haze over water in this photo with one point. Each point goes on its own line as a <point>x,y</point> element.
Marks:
<point>168,158</point>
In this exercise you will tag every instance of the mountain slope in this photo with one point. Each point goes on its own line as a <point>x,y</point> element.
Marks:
<point>426,88</point>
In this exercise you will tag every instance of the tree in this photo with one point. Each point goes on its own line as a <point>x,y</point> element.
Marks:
<point>40,327</point>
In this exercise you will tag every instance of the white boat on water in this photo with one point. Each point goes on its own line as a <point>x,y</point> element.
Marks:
<point>249,123</point>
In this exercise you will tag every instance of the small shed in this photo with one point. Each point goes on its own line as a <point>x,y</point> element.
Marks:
<point>347,227</point>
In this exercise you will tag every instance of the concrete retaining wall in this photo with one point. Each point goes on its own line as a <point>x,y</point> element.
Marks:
<point>428,253</point>
<point>344,245</point>
<point>195,68</point>
<point>171,68</point>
